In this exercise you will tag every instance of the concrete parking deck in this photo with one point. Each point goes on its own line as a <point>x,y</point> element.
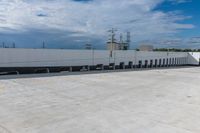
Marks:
<point>154,101</point>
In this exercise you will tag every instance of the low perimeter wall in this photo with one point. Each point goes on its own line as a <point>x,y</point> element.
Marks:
<point>53,58</point>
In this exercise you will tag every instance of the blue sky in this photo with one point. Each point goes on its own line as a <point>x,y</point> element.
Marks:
<point>190,8</point>
<point>73,23</point>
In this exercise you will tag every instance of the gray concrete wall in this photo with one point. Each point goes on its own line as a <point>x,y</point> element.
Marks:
<point>58,57</point>
<point>194,58</point>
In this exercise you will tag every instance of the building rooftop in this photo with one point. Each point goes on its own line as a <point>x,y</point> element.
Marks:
<point>154,101</point>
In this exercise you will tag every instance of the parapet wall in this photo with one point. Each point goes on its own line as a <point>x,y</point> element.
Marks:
<point>58,57</point>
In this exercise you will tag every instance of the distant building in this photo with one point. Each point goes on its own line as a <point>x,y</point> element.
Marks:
<point>117,46</point>
<point>113,44</point>
<point>124,45</point>
<point>146,47</point>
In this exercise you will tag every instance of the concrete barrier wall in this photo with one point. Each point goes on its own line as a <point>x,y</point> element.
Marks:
<point>194,58</point>
<point>44,57</point>
<point>161,55</point>
<point>58,57</point>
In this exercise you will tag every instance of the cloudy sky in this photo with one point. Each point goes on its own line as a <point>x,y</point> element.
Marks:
<point>73,23</point>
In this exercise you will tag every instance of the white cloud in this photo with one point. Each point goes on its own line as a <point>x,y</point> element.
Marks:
<point>90,19</point>
<point>180,1</point>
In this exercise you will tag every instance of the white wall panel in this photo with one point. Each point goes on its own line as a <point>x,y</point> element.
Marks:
<point>57,57</point>
<point>194,58</point>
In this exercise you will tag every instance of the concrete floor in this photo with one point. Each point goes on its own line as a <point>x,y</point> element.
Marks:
<point>155,101</point>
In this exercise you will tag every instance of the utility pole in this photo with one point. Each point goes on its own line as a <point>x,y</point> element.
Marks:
<point>111,40</point>
<point>88,46</point>
<point>93,56</point>
<point>121,45</point>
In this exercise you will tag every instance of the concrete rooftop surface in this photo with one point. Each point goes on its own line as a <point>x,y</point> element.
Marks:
<point>154,101</point>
